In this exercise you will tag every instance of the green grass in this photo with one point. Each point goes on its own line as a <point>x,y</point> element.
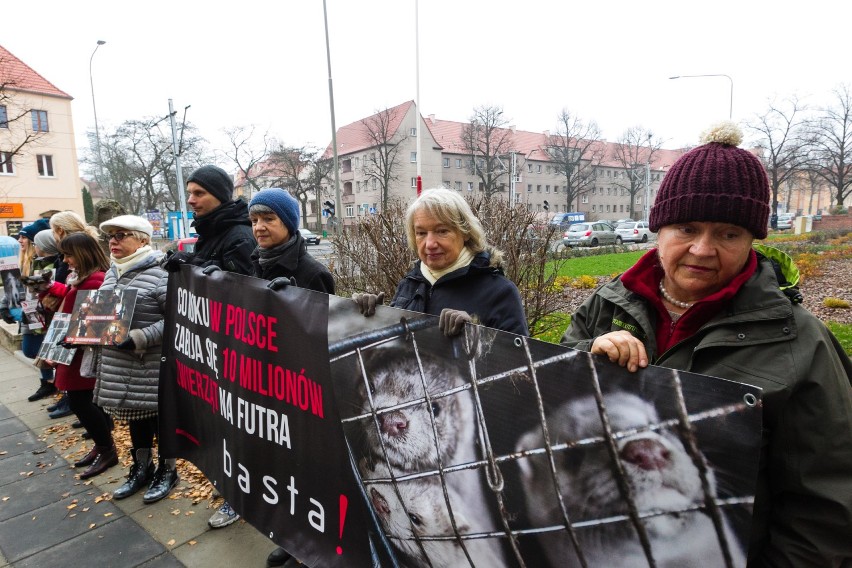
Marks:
<point>843,333</point>
<point>600,265</point>
<point>552,328</point>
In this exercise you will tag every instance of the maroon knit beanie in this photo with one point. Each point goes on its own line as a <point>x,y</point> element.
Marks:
<point>716,182</point>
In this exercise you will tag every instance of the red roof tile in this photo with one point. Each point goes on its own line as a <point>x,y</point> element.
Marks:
<point>15,75</point>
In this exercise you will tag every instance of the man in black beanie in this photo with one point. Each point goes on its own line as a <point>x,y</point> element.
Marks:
<point>222,223</point>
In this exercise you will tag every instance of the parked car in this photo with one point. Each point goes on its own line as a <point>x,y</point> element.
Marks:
<point>564,220</point>
<point>187,244</point>
<point>784,223</point>
<point>634,232</point>
<point>310,237</point>
<point>590,234</point>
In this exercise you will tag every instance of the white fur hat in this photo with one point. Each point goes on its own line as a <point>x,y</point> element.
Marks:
<point>128,223</point>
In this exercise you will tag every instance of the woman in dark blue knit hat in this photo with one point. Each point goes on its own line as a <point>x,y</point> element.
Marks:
<point>282,253</point>
<point>710,301</point>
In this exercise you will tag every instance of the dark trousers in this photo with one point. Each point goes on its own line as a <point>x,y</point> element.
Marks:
<point>142,432</point>
<point>91,416</point>
<point>30,344</point>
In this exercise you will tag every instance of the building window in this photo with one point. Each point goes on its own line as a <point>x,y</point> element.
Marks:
<point>538,188</point>
<point>458,186</point>
<point>638,199</point>
<point>413,132</point>
<point>621,207</point>
<point>4,117</point>
<point>470,186</point>
<point>447,184</point>
<point>593,208</point>
<point>39,120</point>
<point>529,187</point>
<point>446,162</point>
<point>547,169</point>
<point>529,168</point>
<point>45,165</point>
<point>414,182</point>
<point>6,166</point>
<point>413,157</point>
<point>538,169</point>
<point>350,210</point>
<point>375,184</point>
<point>458,163</point>
<point>547,189</point>
<point>585,199</point>
<point>357,187</point>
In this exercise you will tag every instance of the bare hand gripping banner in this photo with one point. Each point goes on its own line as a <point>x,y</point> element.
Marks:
<point>487,449</point>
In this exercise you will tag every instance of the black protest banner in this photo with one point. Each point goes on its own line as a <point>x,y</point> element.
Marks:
<point>486,449</point>
<point>246,395</point>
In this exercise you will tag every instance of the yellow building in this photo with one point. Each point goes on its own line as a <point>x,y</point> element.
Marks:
<point>38,155</point>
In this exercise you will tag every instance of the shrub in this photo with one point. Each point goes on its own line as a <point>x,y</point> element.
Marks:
<point>584,282</point>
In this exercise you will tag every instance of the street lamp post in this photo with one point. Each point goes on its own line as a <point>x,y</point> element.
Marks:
<point>95,109</point>
<point>731,104</point>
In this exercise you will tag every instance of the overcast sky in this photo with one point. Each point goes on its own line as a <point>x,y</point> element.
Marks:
<point>264,62</point>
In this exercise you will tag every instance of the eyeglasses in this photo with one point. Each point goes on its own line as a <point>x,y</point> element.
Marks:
<point>120,236</point>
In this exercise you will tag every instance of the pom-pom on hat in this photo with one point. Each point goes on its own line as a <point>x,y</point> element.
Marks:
<point>281,203</point>
<point>716,182</point>
<point>215,180</point>
<point>128,223</point>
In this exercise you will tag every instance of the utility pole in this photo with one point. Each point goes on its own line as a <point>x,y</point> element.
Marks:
<point>184,226</point>
<point>338,227</point>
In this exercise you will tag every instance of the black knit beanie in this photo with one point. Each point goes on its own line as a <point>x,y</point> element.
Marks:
<point>215,180</point>
<point>716,182</point>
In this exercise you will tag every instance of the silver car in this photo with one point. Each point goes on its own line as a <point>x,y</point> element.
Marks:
<point>634,232</point>
<point>590,235</point>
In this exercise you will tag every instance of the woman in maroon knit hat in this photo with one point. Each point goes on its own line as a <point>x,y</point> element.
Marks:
<point>707,301</point>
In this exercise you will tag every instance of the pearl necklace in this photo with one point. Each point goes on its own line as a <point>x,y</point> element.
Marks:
<point>672,301</point>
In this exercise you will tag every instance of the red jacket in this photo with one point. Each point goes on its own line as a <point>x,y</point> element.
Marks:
<point>68,376</point>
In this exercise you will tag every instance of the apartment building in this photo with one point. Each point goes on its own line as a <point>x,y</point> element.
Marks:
<point>537,181</point>
<point>38,155</point>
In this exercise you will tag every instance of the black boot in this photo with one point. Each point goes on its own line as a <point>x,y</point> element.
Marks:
<point>62,400</point>
<point>165,478</point>
<point>140,474</point>
<point>106,458</point>
<point>45,389</point>
<point>277,557</point>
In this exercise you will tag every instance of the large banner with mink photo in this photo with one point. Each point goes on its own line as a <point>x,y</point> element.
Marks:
<point>487,449</point>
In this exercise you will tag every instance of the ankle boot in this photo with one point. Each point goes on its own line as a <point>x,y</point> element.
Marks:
<point>140,474</point>
<point>106,458</point>
<point>165,478</point>
<point>90,457</point>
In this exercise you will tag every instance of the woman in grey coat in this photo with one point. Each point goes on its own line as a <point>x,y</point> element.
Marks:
<point>129,372</point>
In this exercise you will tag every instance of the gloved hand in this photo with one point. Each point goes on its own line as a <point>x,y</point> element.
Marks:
<point>175,260</point>
<point>210,269</point>
<point>367,302</point>
<point>451,322</point>
<point>277,283</point>
<point>7,315</point>
<point>128,344</point>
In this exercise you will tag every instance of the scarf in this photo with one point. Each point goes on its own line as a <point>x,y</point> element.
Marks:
<point>464,259</point>
<point>269,256</point>
<point>122,265</point>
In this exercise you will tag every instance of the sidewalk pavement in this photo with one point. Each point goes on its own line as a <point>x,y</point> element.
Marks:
<point>48,517</point>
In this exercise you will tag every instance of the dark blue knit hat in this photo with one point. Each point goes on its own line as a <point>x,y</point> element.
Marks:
<point>31,230</point>
<point>282,203</point>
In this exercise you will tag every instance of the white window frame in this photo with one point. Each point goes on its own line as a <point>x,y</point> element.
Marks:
<point>44,164</point>
<point>446,162</point>
<point>7,166</point>
<point>414,182</point>
<point>413,157</point>
<point>350,210</point>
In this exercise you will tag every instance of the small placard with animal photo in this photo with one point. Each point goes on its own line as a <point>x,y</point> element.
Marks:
<point>101,317</point>
<point>51,348</point>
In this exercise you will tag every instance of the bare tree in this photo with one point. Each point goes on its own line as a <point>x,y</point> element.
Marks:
<point>139,164</point>
<point>489,142</point>
<point>780,134</point>
<point>831,144</point>
<point>634,152</point>
<point>250,154</point>
<point>384,137</point>
<point>575,150</point>
<point>15,119</point>
<point>301,171</point>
